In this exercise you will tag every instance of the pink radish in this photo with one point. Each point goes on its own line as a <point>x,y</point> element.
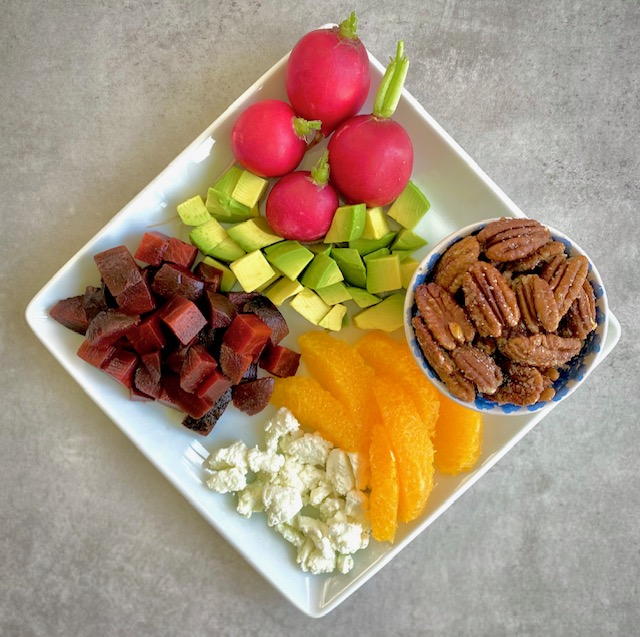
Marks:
<point>301,205</point>
<point>328,74</point>
<point>372,155</point>
<point>268,138</point>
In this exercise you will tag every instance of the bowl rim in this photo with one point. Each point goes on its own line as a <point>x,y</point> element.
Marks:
<point>492,407</point>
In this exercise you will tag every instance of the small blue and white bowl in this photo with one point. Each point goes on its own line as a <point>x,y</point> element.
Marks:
<point>572,375</point>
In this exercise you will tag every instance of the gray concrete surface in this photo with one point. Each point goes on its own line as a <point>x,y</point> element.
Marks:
<point>96,98</point>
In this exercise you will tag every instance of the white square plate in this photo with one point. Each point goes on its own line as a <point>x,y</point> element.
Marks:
<point>460,194</point>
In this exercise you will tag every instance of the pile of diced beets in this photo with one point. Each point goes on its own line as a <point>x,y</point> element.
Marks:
<point>168,333</point>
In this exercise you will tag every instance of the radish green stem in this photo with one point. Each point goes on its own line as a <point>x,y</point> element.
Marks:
<point>390,90</point>
<point>349,27</point>
<point>304,126</point>
<point>320,172</point>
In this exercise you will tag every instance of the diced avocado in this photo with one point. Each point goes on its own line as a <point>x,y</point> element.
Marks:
<point>366,246</point>
<point>249,189</point>
<point>375,224</point>
<point>220,203</point>
<point>290,257</point>
<point>273,279</point>
<point>350,263</point>
<point>333,319</point>
<point>409,207</point>
<point>334,294</point>
<point>193,212</point>
<point>382,252</point>
<point>228,278</point>
<point>321,272</point>
<point>383,274</point>
<point>407,268</point>
<point>362,297</point>
<point>402,254</point>
<point>310,305</point>
<point>252,270</point>
<point>282,289</point>
<point>347,224</point>
<point>228,180</point>
<point>227,250</point>
<point>386,315</point>
<point>408,240</point>
<point>207,236</point>
<point>253,234</point>
<point>320,248</point>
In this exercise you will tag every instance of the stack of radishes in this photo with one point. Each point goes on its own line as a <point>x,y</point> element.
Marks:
<point>370,157</point>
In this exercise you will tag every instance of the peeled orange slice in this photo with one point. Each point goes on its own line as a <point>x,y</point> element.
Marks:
<point>383,500</point>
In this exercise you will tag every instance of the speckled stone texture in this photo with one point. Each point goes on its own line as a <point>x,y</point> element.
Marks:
<point>96,98</point>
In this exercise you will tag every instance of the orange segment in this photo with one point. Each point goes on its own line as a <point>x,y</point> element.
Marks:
<point>388,356</point>
<point>411,445</point>
<point>383,500</point>
<point>458,439</point>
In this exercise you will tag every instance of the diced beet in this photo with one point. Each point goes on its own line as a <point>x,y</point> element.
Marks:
<point>252,397</point>
<point>122,366</point>
<point>96,356</point>
<point>198,364</point>
<point>71,313</point>
<point>248,335</point>
<point>213,386</point>
<point>183,318</point>
<point>189,403</point>
<point>268,313</point>
<point>204,425</point>
<point>251,373</point>
<point>118,269</point>
<point>280,361</point>
<point>148,336</point>
<point>232,364</point>
<point>136,299</point>
<point>211,276</point>
<point>153,362</point>
<point>145,382</point>
<point>108,326</point>
<point>137,396</point>
<point>211,338</point>
<point>172,280</point>
<point>220,310</point>
<point>94,301</point>
<point>152,247</point>
<point>174,360</point>
<point>180,253</point>
<point>240,298</point>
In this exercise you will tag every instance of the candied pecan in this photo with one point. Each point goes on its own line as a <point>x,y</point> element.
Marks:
<point>489,300</point>
<point>580,320</point>
<point>455,262</point>
<point>537,303</point>
<point>542,255</point>
<point>522,386</point>
<point>435,355</point>
<point>445,319</point>
<point>567,281</point>
<point>459,386</point>
<point>541,350</point>
<point>508,239</point>
<point>478,367</point>
<point>486,345</point>
<point>552,266</point>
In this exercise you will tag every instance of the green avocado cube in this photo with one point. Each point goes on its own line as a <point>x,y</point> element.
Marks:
<point>388,315</point>
<point>363,298</point>
<point>252,270</point>
<point>409,208</point>
<point>253,234</point>
<point>347,224</point>
<point>383,274</point>
<point>249,189</point>
<point>227,250</point>
<point>282,289</point>
<point>193,212</point>
<point>334,294</point>
<point>333,320</point>
<point>320,248</point>
<point>350,263</point>
<point>382,252</point>
<point>375,224</point>
<point>220,203</point>
<point>290,257</point>
<point>308,304</point>
<point>207,236</point>
<point>321,272</point>
<point>366,246</point>
<point>408,240</point>
<point>407,268</point>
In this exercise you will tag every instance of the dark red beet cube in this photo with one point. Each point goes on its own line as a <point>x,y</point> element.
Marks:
<point>268,313</point>
<point>220,310</point>
<point>211,338</point>
<point>251,373</point>
<point>213,386</point>
<point>204,425</point>
<point>248,335</point>
<point>183,318</point>
<point>280,361</point>
<point>252,397</point>
<point>240,298</point>
<point>122,366</point>
<point>187,402</point>
<point>180,253</point>
<point>108,326</point>
<point>137,396</point>
<point>71,313</point>
<point>146,382</point>
<point>210,276</point>
<point>232,364</point>
<point>136,299</point>
<point>175,359</point>
<point>172,280</point>
<point>198,364</point>
<point>118,269</point>
<point>152,247</point>
<point>94,301</point>
<point>153,363</point>
<point>148,336</point>
<point>96,356</point>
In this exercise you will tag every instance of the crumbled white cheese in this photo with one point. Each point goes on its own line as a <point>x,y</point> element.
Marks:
<point>233,456</point>
<point>250,499</point>
<point>308,449</point>
<point>281,503</point>
<point>227,480</point>
<point>344,563</point>
<point>292,535</point>
<point>282,423</point>
<point>264,461</point>
<point>339,472</point>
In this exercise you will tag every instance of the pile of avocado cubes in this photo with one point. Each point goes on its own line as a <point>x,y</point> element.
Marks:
<point>361,258</point>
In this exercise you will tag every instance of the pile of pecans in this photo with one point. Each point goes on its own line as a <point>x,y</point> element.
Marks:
<point>505,310</point>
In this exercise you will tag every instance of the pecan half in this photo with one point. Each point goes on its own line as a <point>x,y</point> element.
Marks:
<point>568,280</point>
<point>523,385</point>
<point>459,386</point>
<point>580,320</point>
<point>443,316</point>
<point>537,303</point>
<point>552,266</point>
<point>489,300</point>
<point>541,350</point>
<point>455,262</point>
<point>542,255</point>
<point>478,367</point>
<point>508,239</point>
